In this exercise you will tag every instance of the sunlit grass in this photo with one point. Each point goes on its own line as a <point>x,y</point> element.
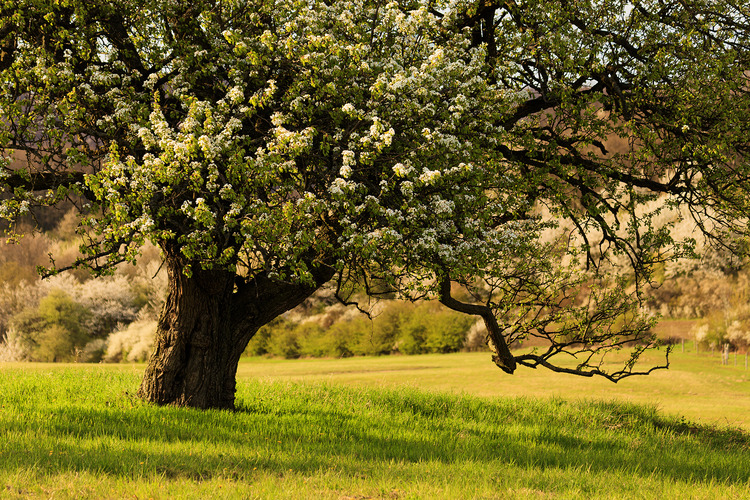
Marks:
<point>697,386</point>
<point>77,431</point>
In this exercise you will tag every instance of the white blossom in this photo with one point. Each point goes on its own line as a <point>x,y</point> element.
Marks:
<point>429,176</point>
<point>443,206</point>
<point>401,170</point>
<point>235,95</point>
<point>347,157</point>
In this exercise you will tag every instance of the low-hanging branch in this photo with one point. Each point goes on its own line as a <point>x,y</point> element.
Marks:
<point>43,181</point>
<point>502,356</point>
<point>535,360</point>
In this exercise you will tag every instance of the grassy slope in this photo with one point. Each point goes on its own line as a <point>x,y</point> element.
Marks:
<point>77,432</point>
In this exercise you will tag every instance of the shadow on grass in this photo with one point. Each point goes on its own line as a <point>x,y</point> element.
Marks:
<point>306,429</point>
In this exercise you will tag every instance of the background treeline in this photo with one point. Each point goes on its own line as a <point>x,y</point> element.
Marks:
<point>72,317</point>
<point>395,327</point>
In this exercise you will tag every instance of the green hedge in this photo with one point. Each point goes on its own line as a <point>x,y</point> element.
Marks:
<point>401,327</point>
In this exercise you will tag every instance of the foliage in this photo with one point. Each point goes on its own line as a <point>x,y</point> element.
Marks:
<point>427,329</point>
<point>398,327</point>
<point>731,327</point>
<point>93,351</point>
<point>12,348</point>
<point>54,330</point>
<point>288,339</point>
<point>400,148</point>
<point>14,299</point>
<point>18,276</point>
<point>716,296</point>
<point>95,308</point>
<point>285,344</point>
<point>109,301</point>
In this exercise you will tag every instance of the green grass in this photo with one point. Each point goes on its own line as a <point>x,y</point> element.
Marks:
<point>77,432</point>
<point>697,386</point>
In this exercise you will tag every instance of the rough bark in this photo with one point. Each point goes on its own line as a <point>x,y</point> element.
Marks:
<point>207,321</point>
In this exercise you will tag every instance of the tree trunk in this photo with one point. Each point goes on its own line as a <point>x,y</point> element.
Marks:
<point>207,321</point>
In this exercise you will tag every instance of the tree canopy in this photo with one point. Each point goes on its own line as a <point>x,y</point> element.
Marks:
<point>522,161</point>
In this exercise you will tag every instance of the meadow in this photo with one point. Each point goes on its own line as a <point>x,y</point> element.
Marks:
<point>696,386</point>
<point>431,426</point>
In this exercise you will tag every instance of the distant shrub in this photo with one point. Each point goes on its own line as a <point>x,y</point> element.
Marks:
<point>135,291</point>
<point>412,335</point>
<point>258,345</point>
<point>476,337</point>
<point>18,260</point>
<point>13,348</point>
<point>730,326</point>
<point>13,273</point>
<point>698,293</point>
<point>429,328</point>
<point>311,339</point>
<point>110,301</point>
<point>446,331</point>
<point>738,333</point>
<point>54,330</point>
<point>385,328</point>
<point>284,343</point>
<point>338,337</point>
<point>93,352</point>
<point>54,343</point>
<point>16,298</point>
<point>148,282</point>
<point>65,229</point>
<point>359,336</point>
<point>397,327</point>
<point>132,343</point>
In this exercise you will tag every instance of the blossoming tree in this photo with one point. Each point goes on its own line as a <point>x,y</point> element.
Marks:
<point>519,161</point>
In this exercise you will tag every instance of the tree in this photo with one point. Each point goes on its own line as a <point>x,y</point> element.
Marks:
<point>55,330</point>
<point>530,153</point>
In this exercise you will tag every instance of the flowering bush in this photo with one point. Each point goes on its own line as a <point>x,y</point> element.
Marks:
<point>131,343</point>
<point>62,318</point>
<point>13,348</point>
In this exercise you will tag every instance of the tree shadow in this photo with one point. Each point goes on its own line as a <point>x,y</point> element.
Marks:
<point>353,430</point>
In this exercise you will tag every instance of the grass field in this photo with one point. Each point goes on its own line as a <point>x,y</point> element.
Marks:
<point>376,428</point>
<point>697,386</point>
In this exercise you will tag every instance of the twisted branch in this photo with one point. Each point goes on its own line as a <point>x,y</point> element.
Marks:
<point>502,356</point>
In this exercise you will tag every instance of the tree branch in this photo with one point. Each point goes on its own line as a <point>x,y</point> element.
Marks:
<point>533,360</point>
<point>502,357</point>
<point>45,180</point>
